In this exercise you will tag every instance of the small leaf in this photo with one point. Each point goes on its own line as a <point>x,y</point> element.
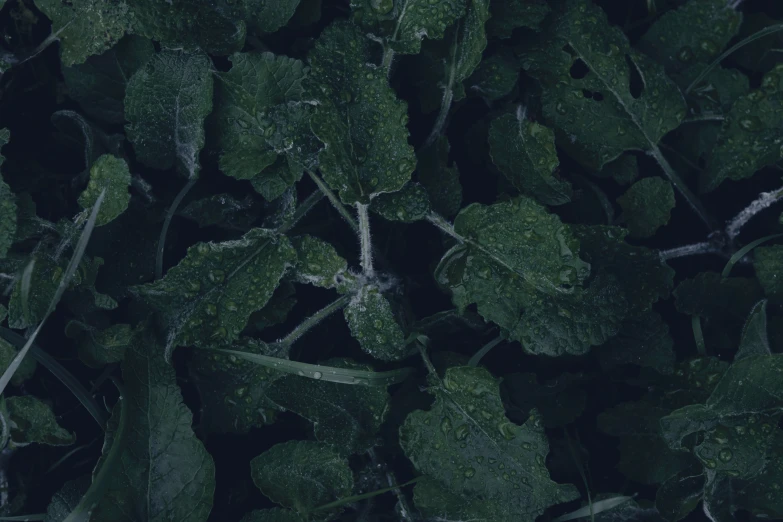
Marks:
<point>440,178</point>
<point>32,421</point>
<point>524,151</point>
<point>345,417</point>
<point>234,391</point>
<point>302,475</point>
<point>768,263</point>
<point>86,27</point>
<point>467,445</point>
<point>372,323</point>
<point>110,174</point>
<point>410,203</point>
<point>166,103</point>
<point>507,16</point>
<point>361,122</point>
<point>647,206</point>
<point>751,134</point>
<point>208,297</point>
<point>99,347</point>
<point>98,85</point>
<point>165,473</point>
<point>319,264</point>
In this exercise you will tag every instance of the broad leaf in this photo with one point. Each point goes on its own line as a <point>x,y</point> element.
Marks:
<point>751,135</point>
<point>345,417</point>
<point>495,77</point>
<point>597,114</point>
<point>234,391</point>
<point>439,503</point>
<point>647,206</point>
<point>25,370</point>
<point>302,475</point>
<point>371,320</point>
<point>110,174</point>
<point>768,263</point>
<point>410,203</point>
<point>467,445</point>
<point>165,473</point>
<point>33,421</point>
<point>360,120</point>
<point>262,115</point>
<point>98,85</point>
<point>524,151</point>
<point>86,27</point>
<point>99,347</point>
<point>166,103</point>
<point>208,297</point>
<point>507,16</point>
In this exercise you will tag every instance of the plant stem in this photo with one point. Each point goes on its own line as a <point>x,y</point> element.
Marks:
<point>705,117</point>
<point>448,95</point>
<point>485,350</point>
<point>356,498</point>
<point>689,196</point>
<point>427,362</point>
<point>333,199</point>
<point>765,200</point>
<point>705,247</point>
<point>302,210</point>
<point>166,222</point>
<point>388,58</point>
<point>313,320</point>
<point>364,239</point>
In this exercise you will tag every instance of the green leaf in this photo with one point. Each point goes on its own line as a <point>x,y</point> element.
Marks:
<point>507,16</point>
<point>165,473</point>
<point>751,135</point>
<point>415,19</point>
<point>597,117</point>
<point>166,103</point>
<point>66,499</point>
<point>302,475</point>
<point>99,347</point>
<point>438,503</point>
<point>624,170</point>
<point>761,495</point>
<point>468,446</point>
<point>319,264</point>
<point>33,421</point>
<point>262,115</point>
<point>345,417</point>
<point>679,495</point>
<point>768,263</point>
<point>371,320</point>
<point>647,206</point>
<point>8,218</point>
<point>216,26</point>
<point>277,309</point>
<point>495,77</point>
<point>273,515</point>
<point>234,391</point>
<point>410,203</point>
<point>108,173</point>
<point>267,16</point>
<point>439,177</point>
<point>644,341</point>
<point>98,85</point>
<point>710,295</point>
<point>755,340</point>
<point>695,32</point>
<point>524,151</point>
<point>86,27</point>
<point>360,120</point>
<point>208,297</point>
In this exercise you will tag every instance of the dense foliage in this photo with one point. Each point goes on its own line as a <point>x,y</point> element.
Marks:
<point>391,260</point>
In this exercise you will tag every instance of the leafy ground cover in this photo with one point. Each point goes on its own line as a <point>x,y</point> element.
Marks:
<point>391,260</point>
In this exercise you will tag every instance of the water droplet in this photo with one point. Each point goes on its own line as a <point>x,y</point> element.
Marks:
<point>469,472</point>
<point>725,455</point>
<point>708,46</point>
<point>216,276</point>
<point>561,109</point>
<point>461,432</point>
<point>445,425</point>
<point>685,55</point>
<point>710,463</point>
<point>750,123</point>
<point>240,391</point>
<point>317,375</point>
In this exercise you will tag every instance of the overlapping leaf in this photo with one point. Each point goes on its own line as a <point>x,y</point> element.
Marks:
<point>647,206</point>
<point>109,175</point>
<point>410,203</point>
<point>371,320</point>
<point>768,263</point>
<point>32,421</point>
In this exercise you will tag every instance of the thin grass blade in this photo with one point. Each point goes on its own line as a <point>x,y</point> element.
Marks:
<point>597,507</point>
<point>742,252</point>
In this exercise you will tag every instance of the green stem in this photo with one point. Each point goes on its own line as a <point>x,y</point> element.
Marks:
<point>388,58</point>
<point>357,498</point>
<point>742,252</point>
<point>448,95</point>
<point>485,350</point>
<point>313,320</point>
<point>698,335</point>
<point>689,196</point>
<point>302,210</point>
<point>166,222</point>
<point>364,240</point>
<point>333,200</point>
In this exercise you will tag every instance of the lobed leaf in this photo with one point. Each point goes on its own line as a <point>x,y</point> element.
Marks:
<point>30,420</point>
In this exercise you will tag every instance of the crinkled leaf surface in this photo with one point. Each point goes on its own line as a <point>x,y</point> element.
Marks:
<point>410,203</point>
<point>98,85</point>
<point>360,120</point>
<point>507,16</point>
<point>25,369</point>
<point>302,475</point>
<point>371,320</point>
<point>345,417</point>
<point>234,391</point>
<point>262,114</point>
<point>768,263</point>
<point>216,26</point>
<point>108,173</point>
<point>468,446</point>
<point>751,135</point>
<point>319,264</point>
<point>597,115</point>
<point>86,27</point>
<point>695,32</point>
<point>33,421</point>
<point>164,472</point>
<point>166,103</point>
<point>524,151</point>
<point>647,206</point>
<point>208,297</point>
